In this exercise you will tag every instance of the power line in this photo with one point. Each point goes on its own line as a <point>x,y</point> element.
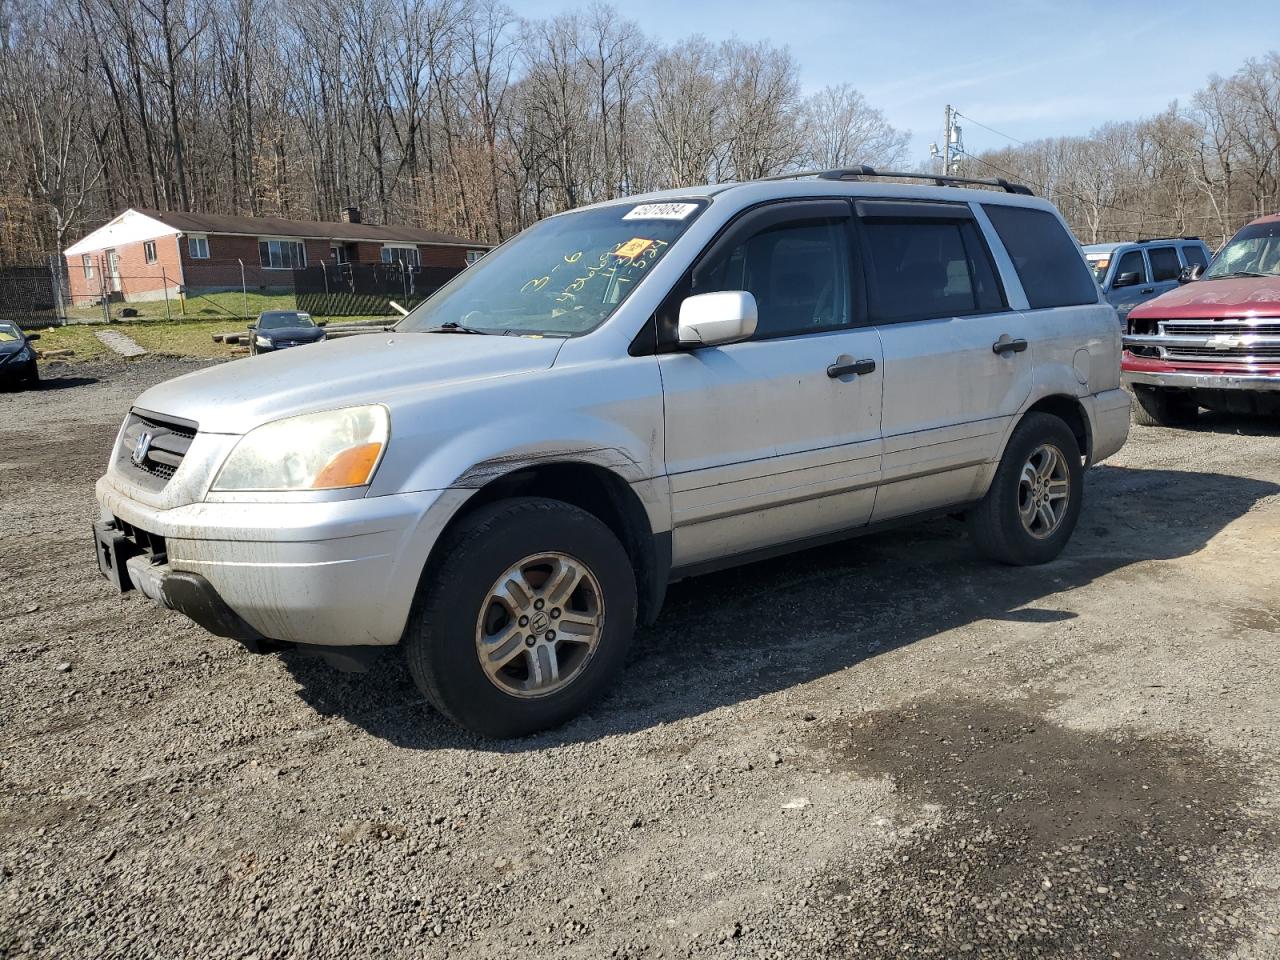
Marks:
<point>1022,143</point>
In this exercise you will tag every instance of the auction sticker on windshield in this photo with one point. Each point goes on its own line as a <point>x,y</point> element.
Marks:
<point>660,211</point>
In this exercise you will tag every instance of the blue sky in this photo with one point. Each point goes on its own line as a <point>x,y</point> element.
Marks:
<point>1029,69</point>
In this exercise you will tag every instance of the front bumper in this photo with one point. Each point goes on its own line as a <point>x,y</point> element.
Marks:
<point>1193,380</point>
<point>331,573</point>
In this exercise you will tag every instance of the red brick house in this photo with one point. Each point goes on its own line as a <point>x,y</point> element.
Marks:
<point>141,253</point>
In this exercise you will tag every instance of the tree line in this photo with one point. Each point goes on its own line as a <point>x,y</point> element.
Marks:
<point>461,116</point>
<point>451,114</point>
<point>1200,169</point>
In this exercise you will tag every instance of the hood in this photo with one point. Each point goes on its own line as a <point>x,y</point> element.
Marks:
<point>292,333</point>
<point>1234,297</point>
<point>235,397</point>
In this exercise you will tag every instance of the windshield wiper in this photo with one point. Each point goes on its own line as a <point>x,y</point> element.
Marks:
<point>450,326</point>
<point>1237,273</point>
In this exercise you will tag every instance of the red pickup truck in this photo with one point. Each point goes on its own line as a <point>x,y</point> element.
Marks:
<point>1214,341</point>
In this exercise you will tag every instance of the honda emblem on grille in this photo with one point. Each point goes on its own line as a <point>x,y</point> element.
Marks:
<point>141,448</point>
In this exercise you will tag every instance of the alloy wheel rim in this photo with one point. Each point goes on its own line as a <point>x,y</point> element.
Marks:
<point>1044,491</point>
<point>540,625</point>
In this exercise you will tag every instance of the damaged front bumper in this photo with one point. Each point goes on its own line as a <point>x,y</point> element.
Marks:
<point>337,573</point>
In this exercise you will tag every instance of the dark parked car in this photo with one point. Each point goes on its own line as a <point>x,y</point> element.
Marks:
<point>17,359</point>
<point>278,329</point>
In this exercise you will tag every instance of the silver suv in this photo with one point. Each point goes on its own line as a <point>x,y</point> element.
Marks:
<point>619,397</point>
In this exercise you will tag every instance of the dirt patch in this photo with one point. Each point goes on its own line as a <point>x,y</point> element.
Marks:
<point>1049,841</point>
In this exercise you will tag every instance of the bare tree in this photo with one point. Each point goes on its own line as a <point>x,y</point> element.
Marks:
<point>841,129</point>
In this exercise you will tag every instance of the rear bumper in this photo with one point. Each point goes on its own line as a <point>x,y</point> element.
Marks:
<point>1108,423</point>
<point>336,573</point>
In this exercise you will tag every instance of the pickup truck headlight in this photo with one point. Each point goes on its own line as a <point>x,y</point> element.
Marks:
<point>316,451</point>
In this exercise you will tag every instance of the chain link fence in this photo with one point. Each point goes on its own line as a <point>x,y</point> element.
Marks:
<point>101,290</point>
<point>33,295</point>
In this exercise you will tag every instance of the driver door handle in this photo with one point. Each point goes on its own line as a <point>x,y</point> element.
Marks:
<point>857,367</point>
<point>1147,290</point>
<point>1005,345</point>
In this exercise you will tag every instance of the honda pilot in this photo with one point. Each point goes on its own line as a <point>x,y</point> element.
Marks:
<point>622,396</point>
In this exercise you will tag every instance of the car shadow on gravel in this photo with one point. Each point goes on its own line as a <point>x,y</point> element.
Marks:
<point>64,383</point>
<point>1240,424</point>
<point>753,630</point>
<point>1049,841</point>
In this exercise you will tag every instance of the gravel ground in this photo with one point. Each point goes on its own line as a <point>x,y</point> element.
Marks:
<point>881,748</point>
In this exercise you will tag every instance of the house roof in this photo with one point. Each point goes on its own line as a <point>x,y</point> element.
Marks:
<point>140,223</point>
<point>309,229</point>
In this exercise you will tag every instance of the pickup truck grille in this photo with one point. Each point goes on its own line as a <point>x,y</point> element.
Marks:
<point>1216,328</point>
<point>153,447</point>
<point>1244,341</point>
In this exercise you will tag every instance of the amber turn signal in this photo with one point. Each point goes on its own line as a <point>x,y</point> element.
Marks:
<point>351,468</point>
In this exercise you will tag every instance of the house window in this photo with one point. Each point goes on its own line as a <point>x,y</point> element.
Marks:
<point>198,247</point>
<point>282,254</point>
<point>338,252</point>
<point>473,256</point>
<point>149,251</point>
<point>86,264</point>
<point>406,256</point>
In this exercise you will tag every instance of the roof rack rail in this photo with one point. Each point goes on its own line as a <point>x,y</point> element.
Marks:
<point>858,172</point>
<point>1162,239</point>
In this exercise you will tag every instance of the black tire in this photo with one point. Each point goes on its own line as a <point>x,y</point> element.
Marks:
<point>995,523</point>
<point>440,638</point>
<point>1158,407</point>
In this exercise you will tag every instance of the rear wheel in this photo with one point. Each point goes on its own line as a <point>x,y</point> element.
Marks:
<point>525,619</point>
<point>1029,513</point>
<point>1160,407</point>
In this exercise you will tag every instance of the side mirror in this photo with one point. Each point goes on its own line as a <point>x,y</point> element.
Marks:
<point>1190,273</point>
<point>33,336</point>
<point>253,326</point>
<point>1125,280</point>
<point>712,319</point>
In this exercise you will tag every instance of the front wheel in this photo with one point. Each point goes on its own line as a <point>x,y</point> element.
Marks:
<point>1029,513</point>
<point>1160,407</point>
<point>524,620</point>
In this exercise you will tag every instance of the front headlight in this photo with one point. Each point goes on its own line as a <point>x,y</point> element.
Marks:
<point>263,341</point>
<point>316,451</point>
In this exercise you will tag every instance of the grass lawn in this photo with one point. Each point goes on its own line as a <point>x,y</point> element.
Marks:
<point>181,338</point>
<point>191,339</point>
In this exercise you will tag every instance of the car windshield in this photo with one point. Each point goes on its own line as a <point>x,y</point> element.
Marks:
<point>1255,249</point>
<point>1098,263</point>
<point>8,332</point>
<point>563,276</point>
<point>280,319</point>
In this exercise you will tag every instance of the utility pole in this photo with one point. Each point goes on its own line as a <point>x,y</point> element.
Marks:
<point>952,145</point>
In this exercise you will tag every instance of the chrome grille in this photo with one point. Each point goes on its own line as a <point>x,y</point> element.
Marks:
<point>1267,326</point>
<point>1231,340</point>
<point>152,447</point>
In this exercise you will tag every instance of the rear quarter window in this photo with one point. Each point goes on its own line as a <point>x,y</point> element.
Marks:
<point>1048,262</point>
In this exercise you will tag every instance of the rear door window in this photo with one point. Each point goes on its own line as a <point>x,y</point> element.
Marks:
<point>1164,263</point>
<point>1133,262</point>
<point>1048,262</point>
<point>929,268</point>
<point>1194,256</point>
